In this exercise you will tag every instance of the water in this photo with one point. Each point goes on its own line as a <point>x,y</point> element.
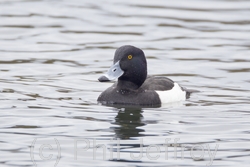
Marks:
<point>52,52</point>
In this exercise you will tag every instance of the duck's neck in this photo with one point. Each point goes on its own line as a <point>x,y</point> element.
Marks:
<point>122,84</point>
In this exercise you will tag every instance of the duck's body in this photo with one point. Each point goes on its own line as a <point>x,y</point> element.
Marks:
<point>134,87</point>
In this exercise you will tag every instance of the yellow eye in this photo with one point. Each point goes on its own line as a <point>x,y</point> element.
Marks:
<point>130,57</point>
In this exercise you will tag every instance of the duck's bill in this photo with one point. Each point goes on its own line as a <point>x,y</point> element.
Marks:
<point>113,73</point>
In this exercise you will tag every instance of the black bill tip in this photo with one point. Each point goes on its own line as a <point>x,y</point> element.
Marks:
<point>103,79</point>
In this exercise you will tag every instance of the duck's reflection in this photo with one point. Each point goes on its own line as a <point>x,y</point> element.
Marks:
<point>129,121</point>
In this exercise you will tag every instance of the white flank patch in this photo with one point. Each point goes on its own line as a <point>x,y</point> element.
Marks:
<point>173,95</point>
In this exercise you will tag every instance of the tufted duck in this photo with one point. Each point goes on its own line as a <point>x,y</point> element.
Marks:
<point>134,86</point>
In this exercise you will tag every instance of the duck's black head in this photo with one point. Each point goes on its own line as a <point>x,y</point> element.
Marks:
<point>130,66</point>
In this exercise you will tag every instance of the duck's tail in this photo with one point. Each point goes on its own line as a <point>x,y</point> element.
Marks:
<point>189,91</point>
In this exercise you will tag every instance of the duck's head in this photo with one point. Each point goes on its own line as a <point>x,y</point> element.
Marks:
<point>130,65</point>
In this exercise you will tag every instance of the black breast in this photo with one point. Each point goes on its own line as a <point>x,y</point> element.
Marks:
<point>129,97</point>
